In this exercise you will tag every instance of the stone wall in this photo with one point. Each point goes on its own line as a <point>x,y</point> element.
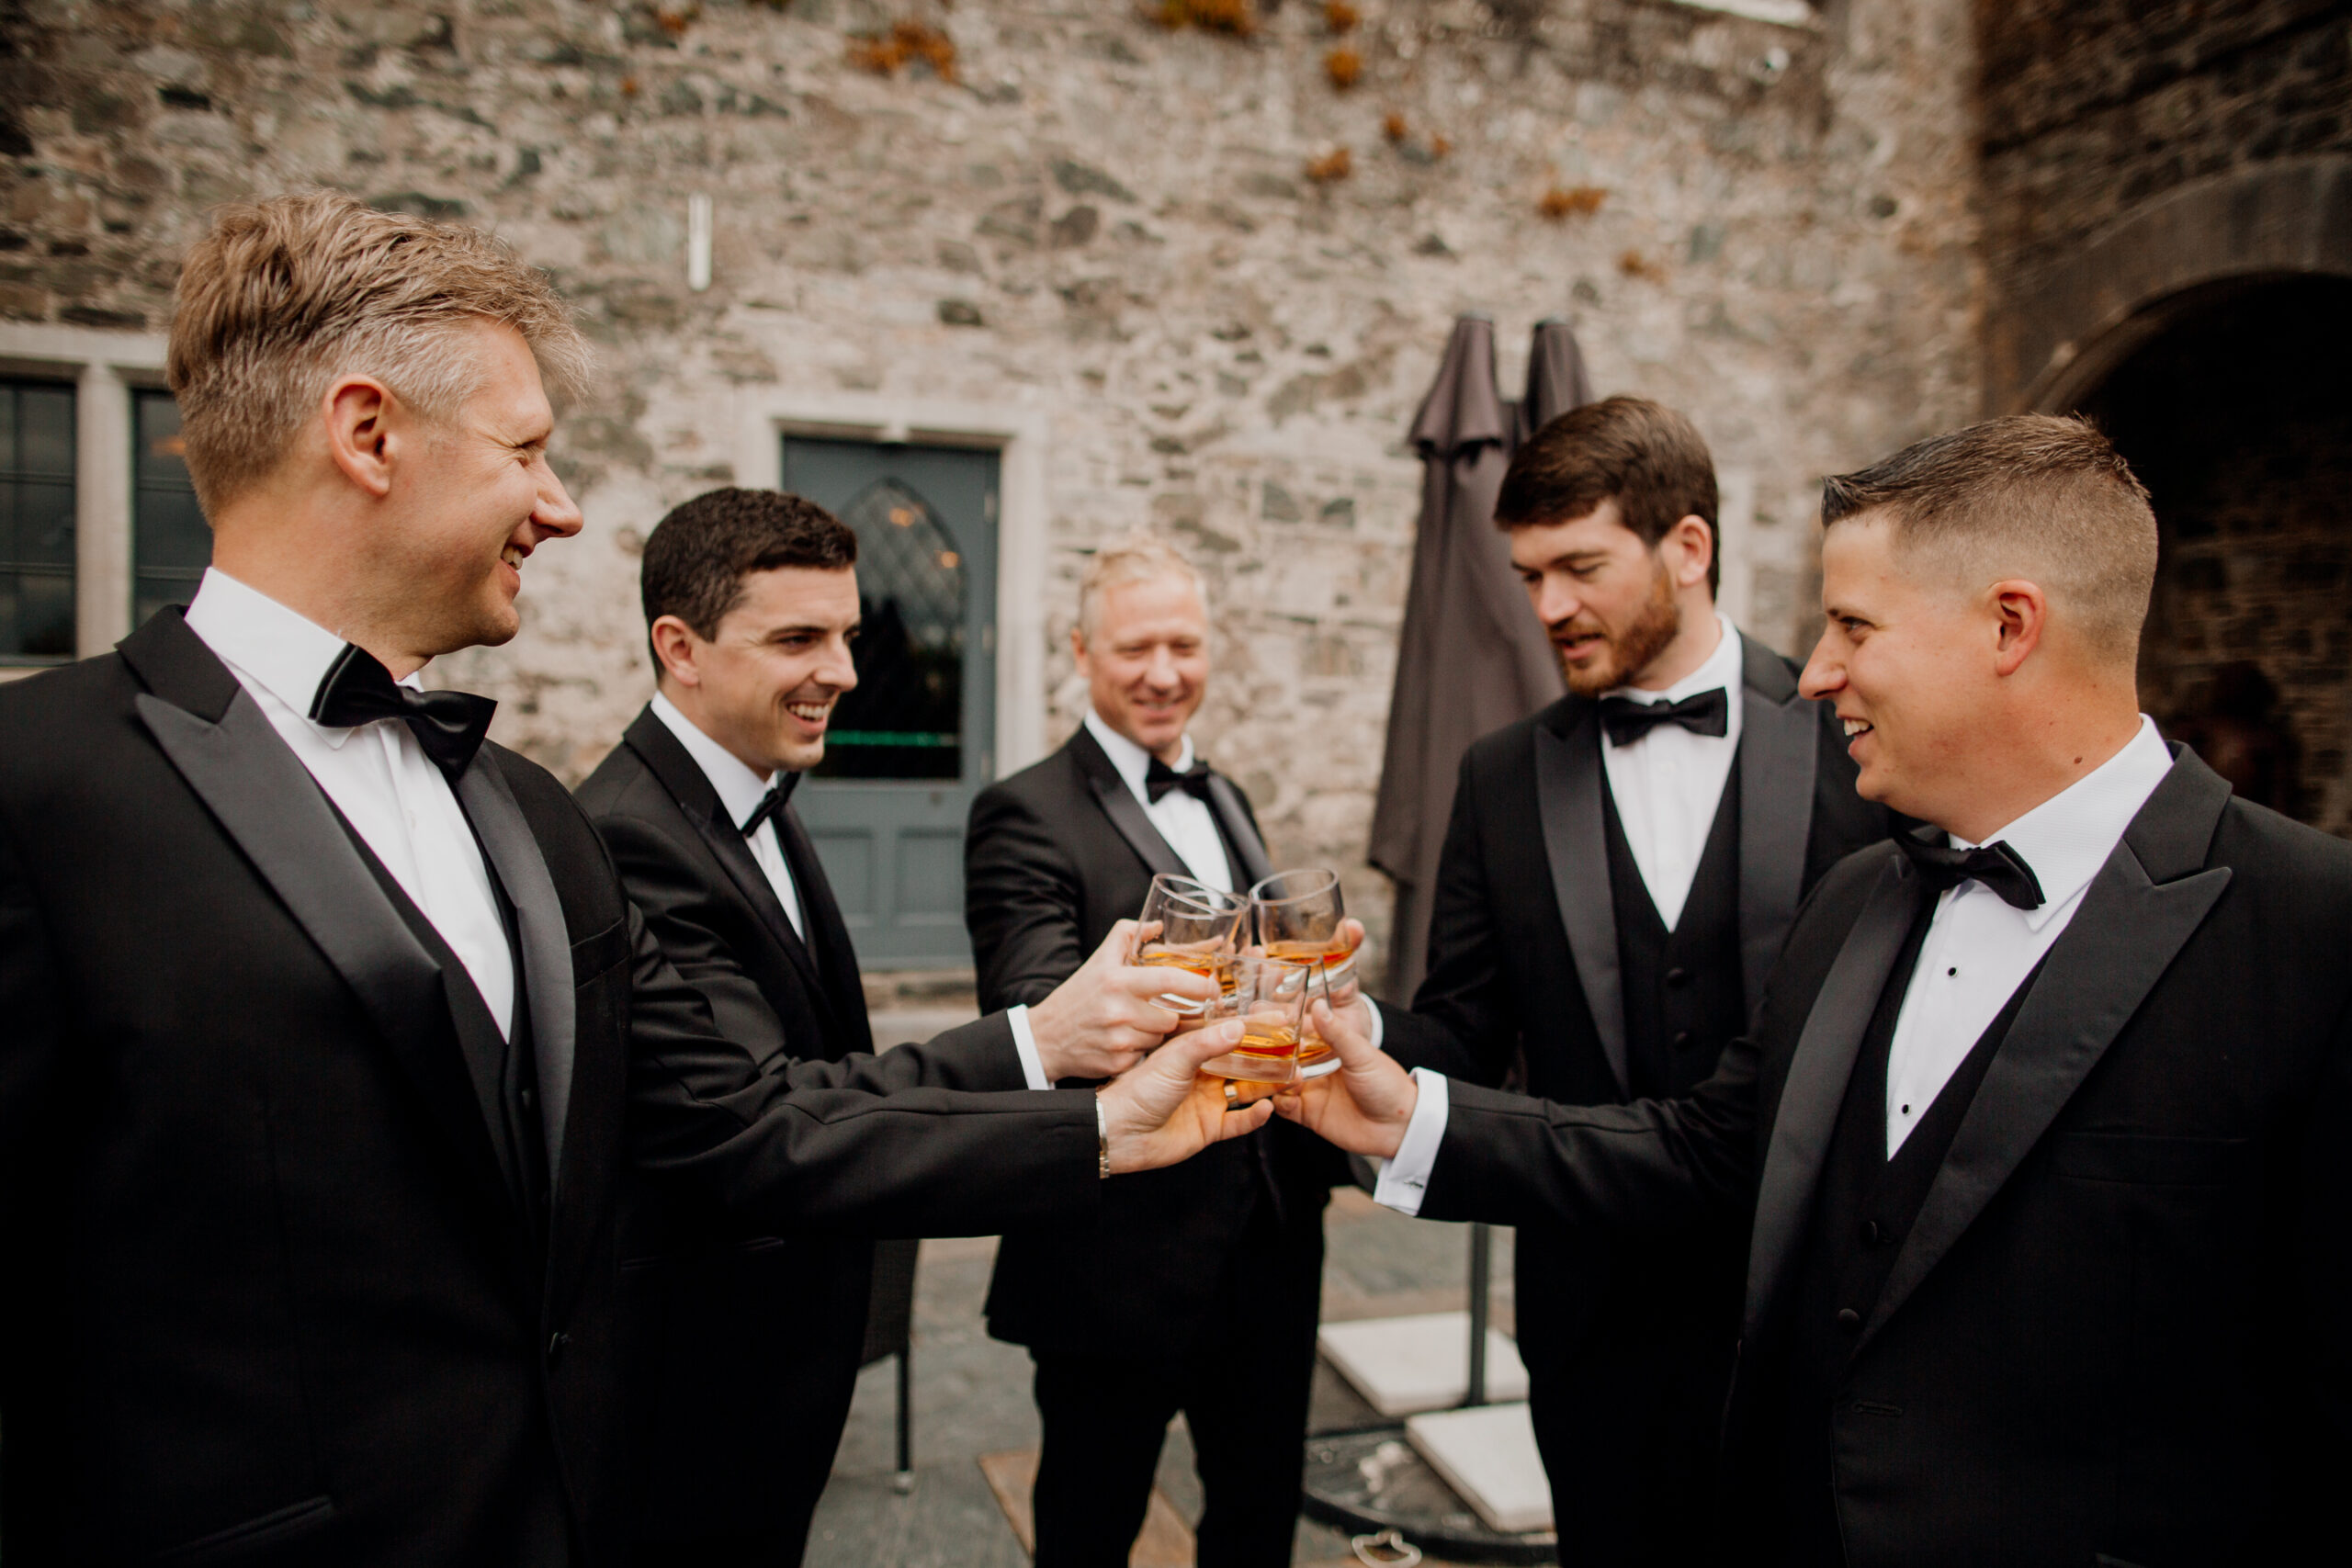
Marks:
<point>1115,226</point>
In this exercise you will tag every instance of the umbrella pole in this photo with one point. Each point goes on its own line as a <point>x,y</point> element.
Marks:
<point>1482,1243</point>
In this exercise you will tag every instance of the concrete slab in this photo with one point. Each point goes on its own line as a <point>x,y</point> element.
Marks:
<point>1489,1456</point>
<point>1403,1365</point>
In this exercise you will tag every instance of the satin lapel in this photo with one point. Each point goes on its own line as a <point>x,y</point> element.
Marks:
<point>690,787</point>
<point>835,957</point>
<point>544,936</point>
<point>1119,803</point>
<point>2139,912</point>
<point>267,801</point>
<point>1225,801</point>
<point>1569,785</point>
<point>1819,1071</point>
<point>1779,753</point>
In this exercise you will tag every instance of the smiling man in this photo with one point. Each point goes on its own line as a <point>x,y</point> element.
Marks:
<point>332,1040</point>
<point>1130,1315</point>
<point>751,603</point>
<point>2036,1131</point>
<point>1617,876</point>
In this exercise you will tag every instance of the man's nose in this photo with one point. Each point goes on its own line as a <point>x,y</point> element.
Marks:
<point>839,670</point>
<point>1824,675</point>
<point>1556,603</point>
<point>557,513</point>
<point>1161,671</point>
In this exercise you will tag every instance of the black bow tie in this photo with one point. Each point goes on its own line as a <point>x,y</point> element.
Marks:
<point>358,690</point>
<point>771,804</point>
<point>1997,865</point>
<point>1160,778</point>
<point>1707,712</point>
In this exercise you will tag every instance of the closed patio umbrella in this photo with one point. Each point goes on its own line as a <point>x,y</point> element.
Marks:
<point>1472,657</point>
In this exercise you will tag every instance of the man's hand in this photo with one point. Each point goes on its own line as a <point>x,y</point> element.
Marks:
<point>1100,1021</point>
<point>1365,1106</point>
<point>1163,1111</point>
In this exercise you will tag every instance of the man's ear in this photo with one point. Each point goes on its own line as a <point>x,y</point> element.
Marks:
<point>675,644</point>
<point>2021,617</point>
<point>1694,544</point>
<point>360,411</point>
<point>1078,648</point>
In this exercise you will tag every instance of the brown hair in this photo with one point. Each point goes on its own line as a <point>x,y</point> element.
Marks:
<point>2031,495</point>
<point>698,556</point>
<point>282,296</point>
<point>1644,456</point>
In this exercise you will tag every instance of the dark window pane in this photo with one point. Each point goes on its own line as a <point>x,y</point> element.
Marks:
<point>171,544</point>
<point>905,719</point>
<point>36,522</point>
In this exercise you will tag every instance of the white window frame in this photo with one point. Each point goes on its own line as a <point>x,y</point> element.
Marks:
<point>1017,435</point>
<point>105,367</point>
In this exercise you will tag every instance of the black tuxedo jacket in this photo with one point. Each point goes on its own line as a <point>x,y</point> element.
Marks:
<point>1054,857</point>
<point>273,1294</point>
<point>2120,1330</point>
<point>747,1374</point>
<point>1523,954</point>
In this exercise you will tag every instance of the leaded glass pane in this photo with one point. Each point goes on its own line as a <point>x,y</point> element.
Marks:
<point>171,543</point>
<point>36,522</point>
<point>905,719</point>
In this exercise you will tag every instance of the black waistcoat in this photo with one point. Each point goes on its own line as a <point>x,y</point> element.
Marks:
<point>1865,1206</point>
<point>1682,987</point>
<point>504,1067</point>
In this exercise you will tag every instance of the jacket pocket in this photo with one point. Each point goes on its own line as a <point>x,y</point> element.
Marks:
<point>2139,1161</point>
<point>279,1525</point>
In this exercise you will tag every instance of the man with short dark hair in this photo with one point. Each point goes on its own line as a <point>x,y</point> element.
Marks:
<point>1616,880</point>
<point>750,602</point>
<point>2038,1129</point>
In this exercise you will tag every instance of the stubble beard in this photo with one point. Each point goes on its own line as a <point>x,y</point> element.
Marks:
<point>1634,649</point>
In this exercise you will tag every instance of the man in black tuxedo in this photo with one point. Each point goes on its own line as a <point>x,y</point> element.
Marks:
<point>2037,1125</point>
<point>1148,1307</point>
<point>1618,875</point>
<point>333,1039</point>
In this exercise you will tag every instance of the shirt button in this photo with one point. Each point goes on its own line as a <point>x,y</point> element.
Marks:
<point>1848,1319</point>
<point>1684,1040</point>
<point>1872,1235</point>
<point>1678,976</point>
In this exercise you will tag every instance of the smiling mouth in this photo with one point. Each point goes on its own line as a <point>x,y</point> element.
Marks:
<point>1578,642</point>
<point>810,713</point>
<point>513,555</point>
<point>1857,727</point>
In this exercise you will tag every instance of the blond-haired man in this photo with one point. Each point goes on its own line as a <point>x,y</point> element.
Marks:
<point>332,1040</point>
<point>1121,1311</point>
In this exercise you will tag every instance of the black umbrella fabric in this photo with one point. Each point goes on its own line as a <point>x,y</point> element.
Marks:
<point>1472,657</point>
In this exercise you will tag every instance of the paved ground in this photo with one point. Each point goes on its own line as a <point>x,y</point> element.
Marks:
<point>971,1397</point>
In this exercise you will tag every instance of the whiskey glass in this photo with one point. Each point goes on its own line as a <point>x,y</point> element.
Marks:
<point>1298,916</point>
<point>1200,931</point>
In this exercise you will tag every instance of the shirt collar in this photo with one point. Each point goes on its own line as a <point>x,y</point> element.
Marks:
<point>1722,668</point>
<point>739,789</point>
<point>1132,760</point>
<point>282,652</point>
<point>2068,837</point>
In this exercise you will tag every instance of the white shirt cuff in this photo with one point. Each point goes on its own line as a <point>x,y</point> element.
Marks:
<point>1404,1179</point>
<point>1024,1045</point>
<point>1379,1027</point>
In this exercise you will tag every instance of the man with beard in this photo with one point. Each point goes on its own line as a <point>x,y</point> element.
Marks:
<point>1684,797</point>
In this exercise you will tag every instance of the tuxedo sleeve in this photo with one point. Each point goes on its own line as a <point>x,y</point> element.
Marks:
<point>1022,902</point>
<point>846,1146</point>
<point>1463,1022</point>
<point>667,882</point>
<point>1652,1167</point>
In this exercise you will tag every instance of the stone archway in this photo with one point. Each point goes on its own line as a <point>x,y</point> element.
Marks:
<point>2060,332</point>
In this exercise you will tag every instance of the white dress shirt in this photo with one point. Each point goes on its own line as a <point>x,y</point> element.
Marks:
<point>740,792</point>
<point>1977,951</point>
<point>1667,784</point>
<point>1182,818</point>
<point>378,777</point>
